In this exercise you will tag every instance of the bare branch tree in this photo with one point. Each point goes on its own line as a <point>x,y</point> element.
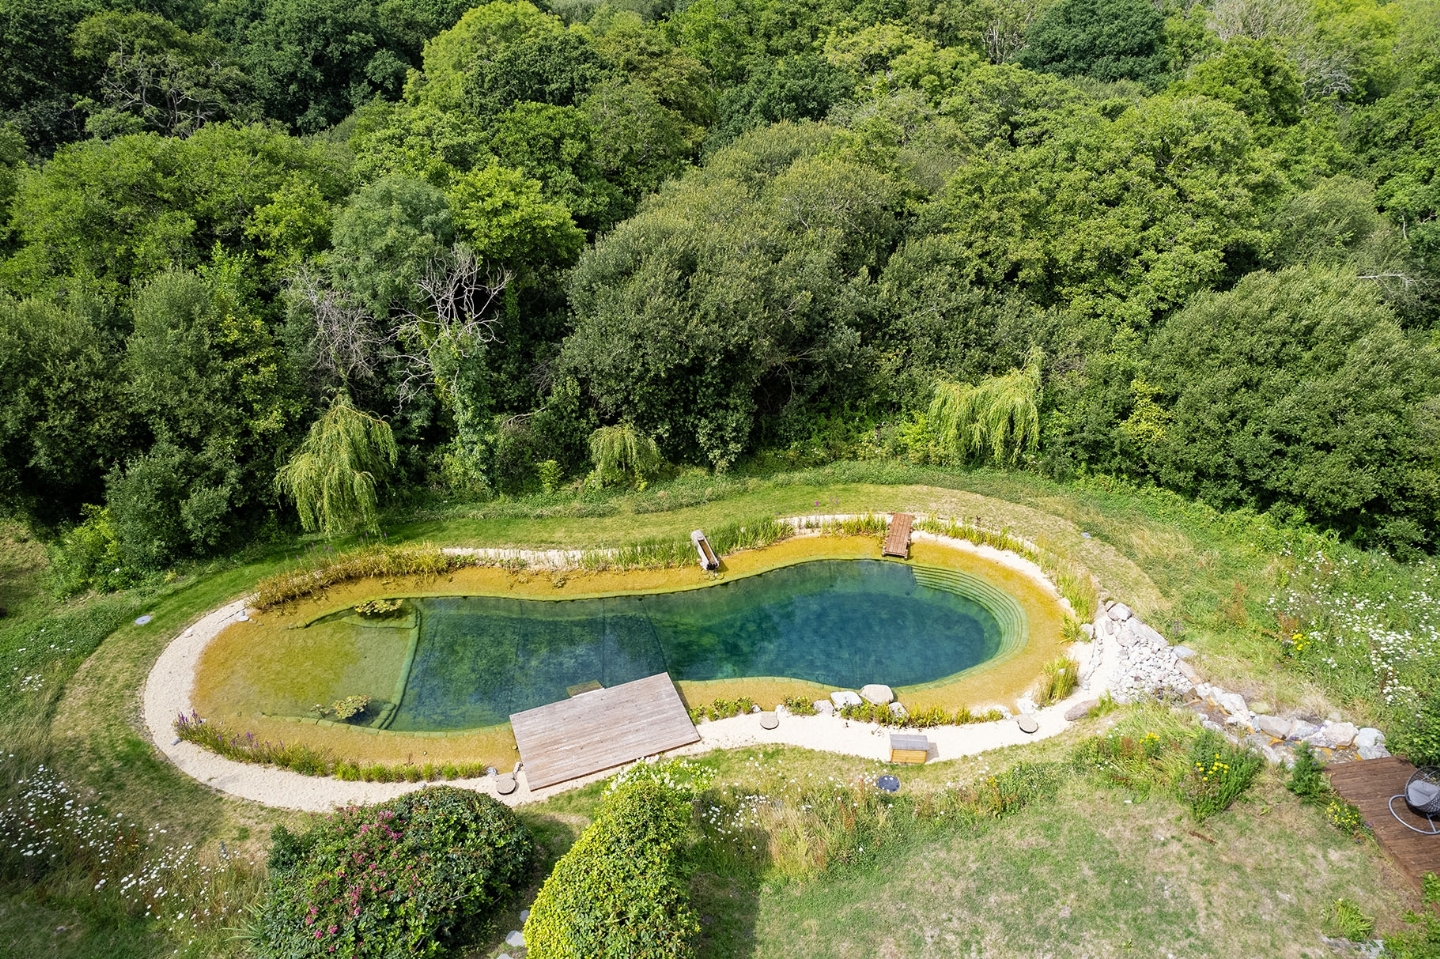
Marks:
<point>461,300</point>
<point>345,342</point>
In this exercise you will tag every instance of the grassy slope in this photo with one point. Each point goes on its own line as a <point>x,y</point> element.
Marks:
<point>84,716</point>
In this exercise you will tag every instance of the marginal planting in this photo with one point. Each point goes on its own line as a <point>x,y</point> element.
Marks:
<point>297,757</point>
<point>920,718</point>
<point>322,571</point>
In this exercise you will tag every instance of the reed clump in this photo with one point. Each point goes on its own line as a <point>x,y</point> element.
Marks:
<point>421,560</point>
<point>670,553</point>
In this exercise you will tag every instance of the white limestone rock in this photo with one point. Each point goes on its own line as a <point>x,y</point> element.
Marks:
<point>1273,726</point>
<point>877,693</point>
<point>1300,729</point>
<point>845,697</point>
<point>899,711</point>
<point>1336,735</point>
<point>824,707</point>
<point>1120,612</point>
<point>1232,703</point>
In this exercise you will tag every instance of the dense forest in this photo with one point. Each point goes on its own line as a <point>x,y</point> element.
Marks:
<point>260,254</point>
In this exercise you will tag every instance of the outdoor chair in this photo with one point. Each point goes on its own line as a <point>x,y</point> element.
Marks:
<point>1422,795</point>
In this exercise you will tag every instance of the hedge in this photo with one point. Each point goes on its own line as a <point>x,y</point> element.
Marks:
<point>412,876</point>
<point>618,893</point>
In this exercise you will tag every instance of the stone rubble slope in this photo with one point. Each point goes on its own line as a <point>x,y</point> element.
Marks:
<point>1137,662</point>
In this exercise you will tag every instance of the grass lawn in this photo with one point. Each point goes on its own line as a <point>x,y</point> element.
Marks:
<point>1086,875</point>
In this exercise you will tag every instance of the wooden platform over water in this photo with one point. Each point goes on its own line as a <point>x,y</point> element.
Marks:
<point>897,539</point>
<point>1369,784</point>
<point>600,730</point>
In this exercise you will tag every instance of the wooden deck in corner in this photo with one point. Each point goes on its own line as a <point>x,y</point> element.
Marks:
<point>897,539</point>
<point>1369,784</point>
<point>600,730</point>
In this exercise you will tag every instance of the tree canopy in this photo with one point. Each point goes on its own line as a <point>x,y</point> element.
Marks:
<point>533,238</point>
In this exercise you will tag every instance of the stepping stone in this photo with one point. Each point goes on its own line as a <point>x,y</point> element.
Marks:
<point>516,940</point>
<point>769,720</point>
<point>505,785</point>
<point>1027,724</point>
<point>524,915</point>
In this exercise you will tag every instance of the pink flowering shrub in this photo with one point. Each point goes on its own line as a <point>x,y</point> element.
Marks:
<point>412,876</point>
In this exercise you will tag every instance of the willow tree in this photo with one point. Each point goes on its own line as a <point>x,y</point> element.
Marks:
<point>998,419</point>
<point>332,477</point>
<point>622,451</point>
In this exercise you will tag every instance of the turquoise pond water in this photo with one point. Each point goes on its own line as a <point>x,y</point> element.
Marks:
<point>841,623</point>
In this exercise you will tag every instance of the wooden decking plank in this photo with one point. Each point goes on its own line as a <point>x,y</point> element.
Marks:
<point>1368,785</point>
<point>897,538</point>
<point>600,730</point>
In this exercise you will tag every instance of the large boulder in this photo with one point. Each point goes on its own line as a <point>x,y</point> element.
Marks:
<point>844,697</point>
<point>1336,735</point>
<point>1273,726</point>
<point>877,693</point>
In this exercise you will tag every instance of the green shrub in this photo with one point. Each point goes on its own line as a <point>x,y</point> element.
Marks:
<point>1345,817</point>
<point>1418,738</point>
<point>1059,678</point>
<point>1345,920</point>
<point>617,893</point>
<point>800,706</point>
<point>88,557</point>
<point>1217,774</point>
<point>1307,777</point>
<point>1422,941</point>
<point>413,876</point>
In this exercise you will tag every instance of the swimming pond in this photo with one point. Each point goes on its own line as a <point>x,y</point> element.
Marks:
<point>840,623</point>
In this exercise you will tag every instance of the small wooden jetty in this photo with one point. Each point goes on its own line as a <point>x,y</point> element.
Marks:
<point>897,539</point>
<point>600,730</point>
<point>1368,785</point>
<point>708,559</point>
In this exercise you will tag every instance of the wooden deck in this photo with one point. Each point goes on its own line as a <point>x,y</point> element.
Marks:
<point>601,730</point>
<point>897,540</point>
<point>1369,784</point>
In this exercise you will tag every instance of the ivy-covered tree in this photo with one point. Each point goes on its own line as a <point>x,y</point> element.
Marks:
<point>1104,39</point>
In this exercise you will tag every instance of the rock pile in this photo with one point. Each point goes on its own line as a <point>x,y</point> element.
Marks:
<point>1144,663</point>
<point>1135,661</point>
